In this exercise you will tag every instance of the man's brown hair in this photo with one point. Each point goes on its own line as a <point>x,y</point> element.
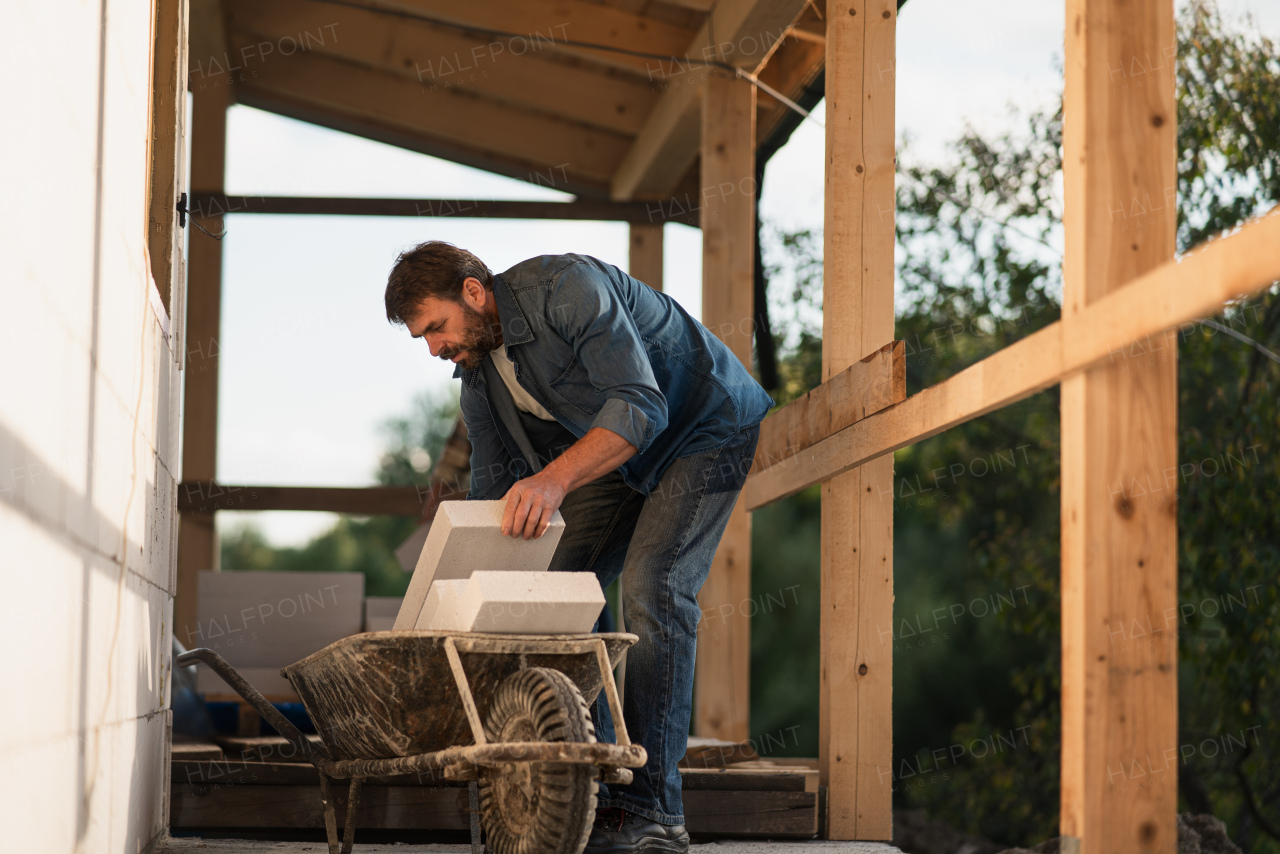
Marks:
<point>432,269</point>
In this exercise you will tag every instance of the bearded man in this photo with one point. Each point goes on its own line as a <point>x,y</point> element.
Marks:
<point>588,392</point>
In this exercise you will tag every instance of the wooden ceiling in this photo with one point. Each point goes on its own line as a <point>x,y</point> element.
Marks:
<point>507,85</point>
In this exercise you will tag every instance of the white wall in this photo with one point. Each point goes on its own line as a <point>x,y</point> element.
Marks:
<point>88,437</point>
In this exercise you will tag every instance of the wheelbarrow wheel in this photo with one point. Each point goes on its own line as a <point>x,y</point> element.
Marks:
<point>538,807</point>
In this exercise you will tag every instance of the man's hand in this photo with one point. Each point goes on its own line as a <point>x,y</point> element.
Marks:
<point>532,501</point>
<point>530,505</point>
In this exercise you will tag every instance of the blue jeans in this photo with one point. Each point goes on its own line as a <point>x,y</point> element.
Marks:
<point>661,545</point>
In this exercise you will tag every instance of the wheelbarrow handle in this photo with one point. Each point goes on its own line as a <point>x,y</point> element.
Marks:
<point>254,698</point>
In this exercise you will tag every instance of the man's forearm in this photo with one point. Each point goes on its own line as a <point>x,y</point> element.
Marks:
<point>597,453</point>
<point>532,501</point>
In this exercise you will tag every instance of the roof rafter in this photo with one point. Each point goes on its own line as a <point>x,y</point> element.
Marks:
<point>426,53</point>
<point>746,32</point>
<point>557,21</point>
<point>441,122</point>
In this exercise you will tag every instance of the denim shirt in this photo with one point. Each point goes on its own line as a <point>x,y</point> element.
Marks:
<point>598,348</point>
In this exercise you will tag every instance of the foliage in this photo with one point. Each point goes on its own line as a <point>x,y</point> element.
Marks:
<point>976,623</point>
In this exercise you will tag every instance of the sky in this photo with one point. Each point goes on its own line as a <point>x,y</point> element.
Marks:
<point>306,351</point>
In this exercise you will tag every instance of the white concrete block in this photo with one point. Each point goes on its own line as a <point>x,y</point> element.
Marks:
<point>270,619</point>
<point>530,602</point>
<point>466,537</point>
<point>440,613</point>
<point>380,612</point>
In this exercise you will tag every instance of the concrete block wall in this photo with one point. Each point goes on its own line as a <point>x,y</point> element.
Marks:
<point>89,396</point>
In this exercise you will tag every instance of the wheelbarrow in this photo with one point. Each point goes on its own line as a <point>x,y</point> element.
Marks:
<point>507,714</point>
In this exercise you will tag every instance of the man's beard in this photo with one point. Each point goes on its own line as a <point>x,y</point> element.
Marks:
<point>480,336</point>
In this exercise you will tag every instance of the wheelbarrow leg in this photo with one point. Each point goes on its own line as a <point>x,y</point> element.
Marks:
<point>473,800</point>
<point>330,816</point>
<point>353,804</point>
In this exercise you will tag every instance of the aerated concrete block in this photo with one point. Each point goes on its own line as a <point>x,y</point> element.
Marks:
<point>270,619</point>
<point>440,613</point>
<point>530,602</point>
<point>466,537</point>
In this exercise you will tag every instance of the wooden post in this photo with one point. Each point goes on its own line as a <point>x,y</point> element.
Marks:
<point>1119,439</point>
<point>645,259</point>
<point>197,539</point>
<point>167,143</point>
<point>856,682</point>
<point>722,685</point>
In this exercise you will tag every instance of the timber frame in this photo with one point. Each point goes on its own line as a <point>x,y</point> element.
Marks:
<point>648,141</point>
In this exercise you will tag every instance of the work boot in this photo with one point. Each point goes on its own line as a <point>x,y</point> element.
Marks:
<point>617,831</point>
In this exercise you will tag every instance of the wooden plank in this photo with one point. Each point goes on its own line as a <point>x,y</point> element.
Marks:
<point>553,22</point>
<point>747,31</point>
<point>519,142</point>
<point>235,769</point>
<point>743,814</point>
<point>197,539</point>
<point>238,803</point>
<point>167,145</point>
<point>1119,438</point>
<point>532,75</point>
<point>750,779</point>
<point>855,685</point>
<point>194,750</point>
<point>864,388</point>
<point>644,260</point>
<point>1127,322</point>
<point>208,497</point>
<point>264,749</point>
<point>722,677</point>
<point>231,796</point>
<point>705,752</point>
<point>578,209</point>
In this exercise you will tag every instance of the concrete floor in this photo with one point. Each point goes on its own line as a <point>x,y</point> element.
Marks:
<point>240,846</point>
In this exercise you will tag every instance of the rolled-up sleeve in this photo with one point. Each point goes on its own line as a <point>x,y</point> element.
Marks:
<point>589,313</point>
<point>491,466</point>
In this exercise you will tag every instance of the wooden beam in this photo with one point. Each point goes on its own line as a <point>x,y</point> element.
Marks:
<point>645,258</point>
<point>722,678</point>
<point>167,145</point>
<point>1119,438</point>
<point>538,78</point>
<point>1129,323</point>
<point>578,209</point>
<point>207,497</point>
<point>208,48</point>
<point>532,146</point>
<point>792,67</point>
<point>746,34</point>
<point>197,539</point>
<point>864,388</point>
<point>856,682</point>
<point>550,23</point>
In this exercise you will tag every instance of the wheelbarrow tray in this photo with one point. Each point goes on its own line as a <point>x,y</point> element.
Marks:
<point>383,695</point>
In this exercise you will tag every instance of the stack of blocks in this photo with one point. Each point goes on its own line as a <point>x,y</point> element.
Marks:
<point>470,578</point>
